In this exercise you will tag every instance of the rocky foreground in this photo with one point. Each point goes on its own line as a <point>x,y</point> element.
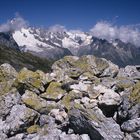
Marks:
<point>85,98</point>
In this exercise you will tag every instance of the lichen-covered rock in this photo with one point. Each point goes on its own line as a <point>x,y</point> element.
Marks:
<point>32,129</point>
<point>135,95</point>
<point>27,79</point>
<point>54,92</point>
<point>32,100</point>
<point>68,100</point>
<point>7,77</point>
<point>83,98</point>
<point>74,66</point>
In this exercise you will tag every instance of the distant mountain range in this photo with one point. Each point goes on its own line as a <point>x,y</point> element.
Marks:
<point>50,44</point>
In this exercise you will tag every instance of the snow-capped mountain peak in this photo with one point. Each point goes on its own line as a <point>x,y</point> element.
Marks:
<point>56,44</point>
<point>36,39</point>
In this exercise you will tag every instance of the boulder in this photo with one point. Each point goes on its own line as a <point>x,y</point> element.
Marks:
<point>32,100</point>
<point>7,77</point>
<point>20,117</point>
<point>28,80</point>
<point>131,125</point>
<point>7,101</point>
<point>95,124</point>
<point>108,97</point>
<point>54,92</point>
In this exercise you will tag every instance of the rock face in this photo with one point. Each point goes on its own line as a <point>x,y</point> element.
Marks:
<point>84,98</point>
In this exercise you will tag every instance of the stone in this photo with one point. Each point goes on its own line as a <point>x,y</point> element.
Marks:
<point>35,102</point>
<point>17,137</point>
<point>132,71</point>
<point>28,80</point>
<point>32,129</point>
<point>135,94</point>
<point>3,136</point>
<point>20,117</point>
<point>80,87</point>
<point>7,77</point>
<point>131,125</point>
<point>54,92</point>
<point>85,137</point>
<point>85,100</point>
<point>69,137</point>
<point>7,101</point>
<point>111,71</point>
<point>59,115</point>
<point>108,97</point>
<point>45,119</point>
<point>95,124</point>
<point>74,66</point>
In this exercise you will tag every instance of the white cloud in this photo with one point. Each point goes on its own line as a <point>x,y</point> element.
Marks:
<point>57,28</point>
<point>17,23</point>
<point>108,31</point>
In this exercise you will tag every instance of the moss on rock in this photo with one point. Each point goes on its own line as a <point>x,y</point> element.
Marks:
<point>34,101</point>
<point>7,77</point>
<point>27,79</point>
<point>135,94</point>
<point>33,129</point>
<point>54,91</point>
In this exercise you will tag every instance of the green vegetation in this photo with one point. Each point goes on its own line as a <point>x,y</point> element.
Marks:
<point>23,59</point>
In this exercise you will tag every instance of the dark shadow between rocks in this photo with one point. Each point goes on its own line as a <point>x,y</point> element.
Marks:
<point>108,111</point>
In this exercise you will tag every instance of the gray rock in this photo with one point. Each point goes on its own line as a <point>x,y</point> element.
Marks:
<point>108,97</point>
<point>20,117</point>
<point>63,136</point>
<point>95,124</point>
<point>3,136</point>
<point>59,115</point>
<point>17,137</point>
<point>131,125</point>
<point>7,101</point>
<point>85,137</point>
<point>130,71</point>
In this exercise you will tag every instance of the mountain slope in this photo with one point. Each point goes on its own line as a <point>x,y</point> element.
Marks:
<point>23,59</point>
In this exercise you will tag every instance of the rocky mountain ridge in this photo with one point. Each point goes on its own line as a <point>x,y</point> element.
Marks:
<point>82,98</point>
<point>57,43</point>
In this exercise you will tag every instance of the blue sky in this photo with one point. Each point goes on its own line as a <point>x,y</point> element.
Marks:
<point>74,14</point>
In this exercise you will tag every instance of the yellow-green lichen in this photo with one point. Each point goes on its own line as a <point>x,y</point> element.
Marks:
<point>53,91</point>
<point>135,94</point>
<point>34,101</point>
<point>33,129</point>
<point>66,101</point>
<point>29,78</point>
